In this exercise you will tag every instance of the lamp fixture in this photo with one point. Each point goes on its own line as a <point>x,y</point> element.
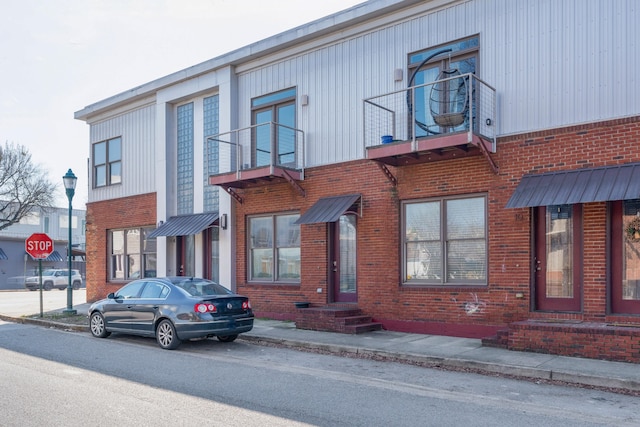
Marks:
<point>223,221</point>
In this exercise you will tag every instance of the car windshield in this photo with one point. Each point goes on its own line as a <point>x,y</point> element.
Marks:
<point>200,287</point>
<point>49,273</point>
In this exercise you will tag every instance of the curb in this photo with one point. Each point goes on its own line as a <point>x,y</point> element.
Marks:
<point>486,368</point>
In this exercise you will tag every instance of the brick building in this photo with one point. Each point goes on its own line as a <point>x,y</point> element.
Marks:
<point>468,168</point>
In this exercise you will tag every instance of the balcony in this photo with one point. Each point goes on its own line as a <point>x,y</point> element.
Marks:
<point>257,155</point>
<point>445,119</point>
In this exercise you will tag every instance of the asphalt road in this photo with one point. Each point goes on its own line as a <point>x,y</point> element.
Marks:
<point>55,377</point>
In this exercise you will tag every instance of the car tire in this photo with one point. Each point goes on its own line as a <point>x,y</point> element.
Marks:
<point>76,285</point>
<point>98,326</point>
<point>166,335</point>
<point>47,286</point>
<point>227,338</point>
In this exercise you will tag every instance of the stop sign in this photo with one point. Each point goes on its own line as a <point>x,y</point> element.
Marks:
<point>39,245</point>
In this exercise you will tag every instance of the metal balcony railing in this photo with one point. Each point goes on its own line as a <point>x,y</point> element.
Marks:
<point>463,103</point>
<point>265,145</point>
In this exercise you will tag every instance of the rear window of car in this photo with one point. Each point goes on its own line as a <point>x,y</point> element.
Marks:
<point>200,287</point>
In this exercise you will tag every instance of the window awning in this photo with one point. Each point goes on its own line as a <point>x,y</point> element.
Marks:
<point>602,184</point>
<point>3,255</point>
<point>328,209</point>
<point>185,225</point>
<point>55,256</point>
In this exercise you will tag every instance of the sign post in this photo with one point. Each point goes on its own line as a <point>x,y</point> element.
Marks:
<point>39,246</point>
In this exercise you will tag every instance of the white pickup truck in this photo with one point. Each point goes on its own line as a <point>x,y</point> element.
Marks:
<point>54,278</point>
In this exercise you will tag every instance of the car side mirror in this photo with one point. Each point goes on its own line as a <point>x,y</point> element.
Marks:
<point>111,296</point>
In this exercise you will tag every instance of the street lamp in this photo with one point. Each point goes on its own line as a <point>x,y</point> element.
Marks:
<point>70,187</point>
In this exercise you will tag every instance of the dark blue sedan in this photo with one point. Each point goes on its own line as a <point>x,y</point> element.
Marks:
<point>172,309</point>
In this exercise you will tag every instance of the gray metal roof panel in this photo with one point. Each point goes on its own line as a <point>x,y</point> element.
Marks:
<point>185,225</point>
<point>328,209</point>
<point>620,182</point>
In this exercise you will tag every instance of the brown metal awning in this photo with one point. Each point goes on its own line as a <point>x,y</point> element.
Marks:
<point>621,182</point>
<point>328,209</point>
<point>185,225</point>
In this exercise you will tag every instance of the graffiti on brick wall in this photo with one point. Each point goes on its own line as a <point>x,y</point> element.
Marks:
<point>475,306</point>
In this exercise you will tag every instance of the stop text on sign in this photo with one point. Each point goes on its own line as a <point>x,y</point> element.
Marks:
<point>39,246</point>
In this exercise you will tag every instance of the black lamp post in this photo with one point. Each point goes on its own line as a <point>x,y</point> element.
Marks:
<point>70,187</point>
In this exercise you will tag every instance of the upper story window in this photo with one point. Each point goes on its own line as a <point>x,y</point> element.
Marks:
<point>107,162</point>
<point>211,155</point>
<point>273,141</point>
<point>445,241</point>
<point>443,107</point>
<point>185,172</point>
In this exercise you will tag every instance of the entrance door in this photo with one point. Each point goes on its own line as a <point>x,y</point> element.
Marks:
<point>557,264</point>
<point>342,258</point>
<point>185,255</point>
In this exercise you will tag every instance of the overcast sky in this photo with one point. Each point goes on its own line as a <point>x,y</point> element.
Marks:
<point>58,56</point>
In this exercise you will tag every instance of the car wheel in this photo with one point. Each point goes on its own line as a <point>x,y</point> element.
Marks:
<point>97,326</point>
<point>47,286</point>
<point>227,338</point>
<point>166,335</point>
<point>76,286</point>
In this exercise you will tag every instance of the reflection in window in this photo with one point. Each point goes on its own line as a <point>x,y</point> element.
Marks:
<point>445,241</point>
<point>274,137</point>
<point>107,162</point>
<point>559,249</point>
<point>131,251</point>
<point>631,250</point>
<point>441,61</point>
<point>274,238</point>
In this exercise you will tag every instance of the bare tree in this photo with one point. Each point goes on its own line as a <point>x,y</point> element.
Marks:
<point>24,188</point>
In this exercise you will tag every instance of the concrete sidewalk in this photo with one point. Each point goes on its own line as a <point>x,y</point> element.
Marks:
<point>427,350</point>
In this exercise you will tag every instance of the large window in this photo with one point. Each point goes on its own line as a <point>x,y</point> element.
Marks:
<point>445,241</point>
<point>132,254</point>
<point>443,107</point>
<point>274,136</point>
<point>185,159</point>
<point>274,237</point>
<point>211,155</point>
<point>107,162</point>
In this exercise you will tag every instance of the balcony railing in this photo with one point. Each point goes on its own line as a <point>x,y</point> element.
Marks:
<point>263,150</point>
<point>462,105</point>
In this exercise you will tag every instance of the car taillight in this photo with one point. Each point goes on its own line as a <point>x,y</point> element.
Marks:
<point>246,305</point>
<point>205,308</point>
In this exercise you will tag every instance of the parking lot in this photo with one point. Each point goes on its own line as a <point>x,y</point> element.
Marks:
<point>23,302</point>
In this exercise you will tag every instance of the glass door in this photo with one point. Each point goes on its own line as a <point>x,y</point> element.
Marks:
<point>343,258</point>
<point>557,264</point>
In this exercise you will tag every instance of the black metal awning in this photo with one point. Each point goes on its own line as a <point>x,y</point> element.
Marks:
<point>185,225</point>
<point>621,182</point>
<point>329,209</point>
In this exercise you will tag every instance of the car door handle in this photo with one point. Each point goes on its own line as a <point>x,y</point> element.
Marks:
<point>130,306</point>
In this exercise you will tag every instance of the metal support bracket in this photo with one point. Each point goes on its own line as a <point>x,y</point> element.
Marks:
<point>293,183</point>
<point>388,173</point>
<point>487,155</point>
<point>233,194</point>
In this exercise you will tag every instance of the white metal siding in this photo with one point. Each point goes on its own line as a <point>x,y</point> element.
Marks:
<point>137,129</point>
<point>553,63</point>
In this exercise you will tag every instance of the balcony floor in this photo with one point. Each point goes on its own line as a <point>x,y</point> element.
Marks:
<point>431,149</point>
<point>255,176</point>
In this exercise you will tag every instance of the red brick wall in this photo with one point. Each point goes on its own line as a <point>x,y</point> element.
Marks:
<point>380,290</point>
<point>127,212</point>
